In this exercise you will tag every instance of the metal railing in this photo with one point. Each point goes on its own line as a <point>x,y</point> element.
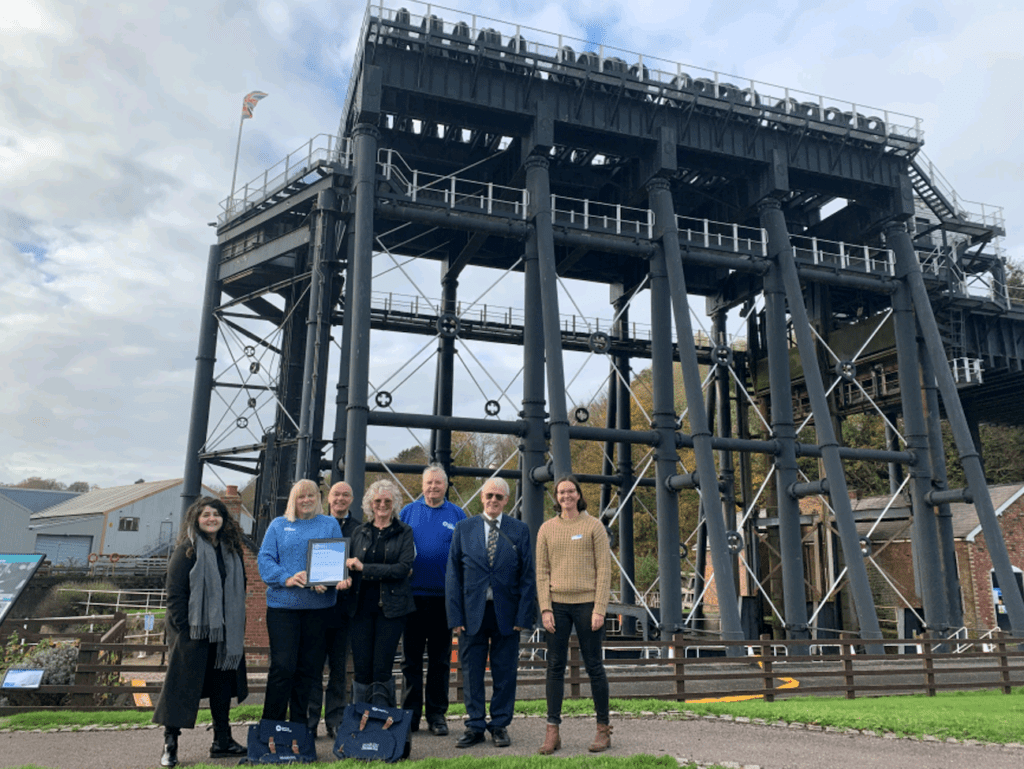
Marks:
<point>602,217</point>
<point>547,55</point>
<point>725,236</point>
<point>846,256</point>
<point>322,148</point>
<point>971,211</point>
<point>452,191</point>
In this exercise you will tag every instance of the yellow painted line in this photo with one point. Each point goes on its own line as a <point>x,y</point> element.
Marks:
<point>788,683</point>
<point>142,699</point>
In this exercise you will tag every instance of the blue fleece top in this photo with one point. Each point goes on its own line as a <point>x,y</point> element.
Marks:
<point>283,554</point>
<point>432,529</point>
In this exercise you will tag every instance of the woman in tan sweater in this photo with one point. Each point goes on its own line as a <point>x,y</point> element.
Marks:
<point>573,583</point>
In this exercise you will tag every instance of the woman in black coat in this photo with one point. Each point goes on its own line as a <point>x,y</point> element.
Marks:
<point>205,625</point>
<point>381,569</point>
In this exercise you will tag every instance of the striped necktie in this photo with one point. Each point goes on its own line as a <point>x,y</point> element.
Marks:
<point>492,541</point>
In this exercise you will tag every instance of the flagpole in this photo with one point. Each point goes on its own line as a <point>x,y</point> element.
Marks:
<point>234,174</point>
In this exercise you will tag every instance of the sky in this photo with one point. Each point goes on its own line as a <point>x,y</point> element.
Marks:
<point>118,127</point>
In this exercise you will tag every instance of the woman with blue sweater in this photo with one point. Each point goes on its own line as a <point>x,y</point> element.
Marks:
<point>296,612</point>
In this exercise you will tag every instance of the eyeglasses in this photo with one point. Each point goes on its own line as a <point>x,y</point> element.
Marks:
<point>382,503</point>
<point>498,497</point>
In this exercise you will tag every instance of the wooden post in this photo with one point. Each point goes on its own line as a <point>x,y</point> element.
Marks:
<point>679,666</point>
<point>1004,663</point>
<point>766,666</point>
<point>847,656</point>
<point>929,667</point>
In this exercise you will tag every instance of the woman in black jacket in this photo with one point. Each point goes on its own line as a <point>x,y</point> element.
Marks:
<point>381,568</point>
<point>205,625</point>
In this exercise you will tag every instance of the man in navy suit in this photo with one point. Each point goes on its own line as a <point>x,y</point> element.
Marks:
<point>490,594</point>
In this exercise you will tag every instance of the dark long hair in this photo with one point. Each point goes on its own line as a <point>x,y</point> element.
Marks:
<point>230,532</point>
<point>582,504</point>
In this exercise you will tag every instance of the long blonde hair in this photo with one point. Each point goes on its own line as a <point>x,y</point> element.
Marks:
<point>300,487</point>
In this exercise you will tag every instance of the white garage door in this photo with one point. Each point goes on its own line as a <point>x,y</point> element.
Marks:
<point>65,549</point>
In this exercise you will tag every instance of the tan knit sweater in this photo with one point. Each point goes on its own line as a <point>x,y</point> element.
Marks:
<point>573,563</point>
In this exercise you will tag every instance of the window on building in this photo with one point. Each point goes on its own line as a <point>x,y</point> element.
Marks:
<point>128,524</point>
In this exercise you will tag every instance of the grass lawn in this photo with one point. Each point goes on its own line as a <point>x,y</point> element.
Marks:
<point>987,716</point>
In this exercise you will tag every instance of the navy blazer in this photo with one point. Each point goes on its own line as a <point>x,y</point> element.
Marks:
<point>512,578</point>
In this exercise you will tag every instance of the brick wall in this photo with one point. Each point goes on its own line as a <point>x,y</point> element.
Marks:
<point>980,562</point>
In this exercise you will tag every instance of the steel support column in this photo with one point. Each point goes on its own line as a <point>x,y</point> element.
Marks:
<point>781,251</point>
<point>364,151</point>
<point>663,420</point>
<point>341,398</point>
<point>940,481</point>
<point>202,387</point>
<point>441,440</point>
<point>624,462</point>
<point>927,564</point>
<point>909,270</point>
<point>318,336</point>
<point>660,197</point>
<point>538,184</point>
<point>791,552</point>
<point>534,443</point>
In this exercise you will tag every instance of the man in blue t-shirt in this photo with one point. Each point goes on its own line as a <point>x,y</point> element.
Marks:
<point>433,519</point>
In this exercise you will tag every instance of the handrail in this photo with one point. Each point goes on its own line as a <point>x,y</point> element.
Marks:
<point>553,56</point>
<point>322,148</point>
<point>968,210</point>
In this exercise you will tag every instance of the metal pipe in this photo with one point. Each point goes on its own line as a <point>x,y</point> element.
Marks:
<point>341,399</point>
<point>944,516</point>
<point>791,550</point>
<point>364,151</point>
<point>663,419</point>
<point>660,198</point>
<point>318,321</point>
<point>778,238</point>
<point>202,387</point>
<point>539,186</point>
<point>909,270</point>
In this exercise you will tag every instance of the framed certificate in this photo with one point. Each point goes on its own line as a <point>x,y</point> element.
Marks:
<point>325,561</point>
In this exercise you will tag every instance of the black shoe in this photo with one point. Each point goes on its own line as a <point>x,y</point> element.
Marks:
<point>469,739</point>
<point>332,731</point>
<point>170,755</point>
<point>225,747</point>
<point>501,738</point>
<point>415,726</point>
<point>439,728</point>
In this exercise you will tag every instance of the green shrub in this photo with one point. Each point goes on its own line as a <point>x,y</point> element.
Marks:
<point>58,662</point>
<point>68,599</point>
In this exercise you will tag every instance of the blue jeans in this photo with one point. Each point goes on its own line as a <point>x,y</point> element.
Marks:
<point>567,616</point>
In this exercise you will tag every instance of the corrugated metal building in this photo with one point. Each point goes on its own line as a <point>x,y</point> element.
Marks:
<point>140,519</point>
<point>17,507</point>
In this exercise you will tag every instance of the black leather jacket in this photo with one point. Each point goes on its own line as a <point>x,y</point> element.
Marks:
<point>395,574</point>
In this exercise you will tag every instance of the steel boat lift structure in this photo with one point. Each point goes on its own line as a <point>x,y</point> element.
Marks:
<point>483,145</point>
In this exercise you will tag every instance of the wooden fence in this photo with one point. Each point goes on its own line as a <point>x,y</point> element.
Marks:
<point>682,669</point>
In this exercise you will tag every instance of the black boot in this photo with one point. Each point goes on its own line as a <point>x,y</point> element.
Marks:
<point>224,746</point>
<point>170,756</point>
<point>382,693</point>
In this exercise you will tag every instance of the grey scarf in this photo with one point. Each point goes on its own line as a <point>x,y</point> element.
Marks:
<point>216,610</point>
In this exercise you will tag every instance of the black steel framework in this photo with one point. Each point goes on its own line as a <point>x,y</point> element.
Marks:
<point>488,148</point>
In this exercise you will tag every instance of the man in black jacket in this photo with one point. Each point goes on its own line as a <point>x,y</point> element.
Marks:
<point>334,699</point>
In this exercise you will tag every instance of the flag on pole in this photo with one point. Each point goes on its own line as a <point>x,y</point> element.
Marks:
<point>249,102</point>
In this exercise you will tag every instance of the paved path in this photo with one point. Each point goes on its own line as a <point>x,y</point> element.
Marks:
<point>702,740</point>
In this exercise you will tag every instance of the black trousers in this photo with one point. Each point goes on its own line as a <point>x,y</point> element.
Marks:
<point>374,643</point>
<point>567,616</point>
<point>427,628</point>
<point>296,661</point>
<point>218,685</point>
<point>334,698</point>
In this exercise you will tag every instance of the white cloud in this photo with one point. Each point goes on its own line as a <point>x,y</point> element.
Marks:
<point>109,178</point>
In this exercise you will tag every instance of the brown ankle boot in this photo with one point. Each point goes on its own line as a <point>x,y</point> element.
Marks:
<point>552,741</point>
<point>603,739</point>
